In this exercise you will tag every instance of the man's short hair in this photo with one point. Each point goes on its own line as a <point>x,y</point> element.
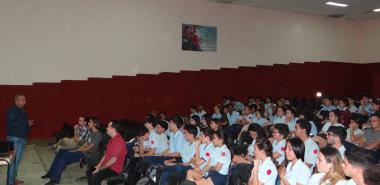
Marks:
<point>117,126</point>
<point>371,175</point>
<point>341,132</point>
<point>191,129</point>
<point>360,158</point>
<point>163,124</point>
<point>176,119</point>
<point>142,131</point>
<point>19,95</point>
<point>283,129</point>
<point>150,118</point>
<point>304,124</point>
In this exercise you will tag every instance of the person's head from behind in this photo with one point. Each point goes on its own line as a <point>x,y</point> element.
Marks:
<point>256,131</point>
<point>190,132</point>
<point>263,149</point>
<point>206,135</point>
<point>371,175</point>
<point>143,134</point>
<point>302,128</point>
<point>356,161</point>
<point>20,100</point>
<point>330,162</point>
<point>219,138</point>
<point>214,124</point>
<point>175,123</point>
<point>280,131</point>
<point>334,116</point>
<point>336,135</point>
<point>295,149</point>
<point>161,127</point>
<point>375,120</point>
<point>114,128</point>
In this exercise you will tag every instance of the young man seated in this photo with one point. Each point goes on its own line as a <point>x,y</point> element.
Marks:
<point>302,131</point>
<point>179,165</point>
<point>65,156</point>
<point>81,134</point>
<point>335,137</point>
<point>355,163</point>
<point>371,140</point>
<point>153,143</point>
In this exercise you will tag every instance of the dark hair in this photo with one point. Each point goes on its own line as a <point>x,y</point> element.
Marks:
<point>304,124</point>
<point>96,121</point>
<point>292,111</point>
<point>360,157</point>
<point>376,114</point>
<point>150,118</point>
<point>254,127</point>
<point>207,132</point>
<point>117,126</point>
<point>177,120</point>
<point>338,131</point>
<point>221,135</point>
<point>163,124</point>
<point>357,120</point>
<point>371,175</point>
<point>283,129</point>
<point>197,119</point>
<point>266,145</point>
<point>336,112</point>
<point>142,131</point>
<point>298,147</point>
<point>191,129</point>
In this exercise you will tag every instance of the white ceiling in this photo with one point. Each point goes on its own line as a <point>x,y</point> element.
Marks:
<point>357,9</point>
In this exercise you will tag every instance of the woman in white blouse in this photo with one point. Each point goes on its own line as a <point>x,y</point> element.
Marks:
<point>296,172</point>
<point>330,169</point>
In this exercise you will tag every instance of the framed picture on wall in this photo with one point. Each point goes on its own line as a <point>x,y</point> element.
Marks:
<point>199,38</point>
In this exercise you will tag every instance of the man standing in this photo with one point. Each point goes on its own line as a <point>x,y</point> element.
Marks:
<point>18,127</point>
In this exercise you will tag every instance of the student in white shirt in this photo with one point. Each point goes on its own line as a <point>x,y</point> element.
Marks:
<point>280,133</point>
<point>291,119</point>
<point>203,151</point>
<point>264,170</point>
<point>351,105</point>
<point>296,172</point>
<point>215,124</point>
<point>354,133</point>
<point>180,166</point>
<point>280,116</point>
<point>217,113</point>
<point>302,131</point>
<point>354,164</point>
<point>219,164</point>
<point>335,137</point>
<point>333,121</point>
<point>330,169</point>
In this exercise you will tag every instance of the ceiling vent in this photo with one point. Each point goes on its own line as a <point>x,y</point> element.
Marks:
<point>335,15</point>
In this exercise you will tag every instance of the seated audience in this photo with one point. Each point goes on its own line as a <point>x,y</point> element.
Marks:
<point>302,131</point>
<point>365,107</point>
<point>279,117</point>
<point>264,170</point>
<point>335,137</point>
<point>65,156</point>
<point>296,172</point>
<point>217,114</point>
<point>354,132</point>
<point>333,120</point>
<point>327,104</point>
<point>112,162</point>
<point>351,105</point>
<point>280,134</point>
<point>329,166</point>
<point>371,140</point>
<point>81,133</point>
<point>291,119</point>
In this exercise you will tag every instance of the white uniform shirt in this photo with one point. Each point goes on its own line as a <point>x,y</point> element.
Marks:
<point>328,125</point>
<point>350,182</point>
<point>224,157</point>
<point>311,151</point>
<point>341,150</point>
<point>316,178</point>
<point>188,152</point>
<point>205,152</point>
<point>299,173</point>
<point>251,148</point>
<point>162,143</point>
<point>279,146</point>
<point>267,172</point>
<point>278,119</point>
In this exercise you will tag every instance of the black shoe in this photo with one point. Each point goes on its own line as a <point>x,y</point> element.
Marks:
<point>45,176</point>
<point>52,182</point>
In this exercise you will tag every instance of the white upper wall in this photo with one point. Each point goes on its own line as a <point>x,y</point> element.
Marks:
<point>370,46</point>
<point>53,40</point>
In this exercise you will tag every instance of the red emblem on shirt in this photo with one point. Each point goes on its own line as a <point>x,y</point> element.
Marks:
<point>283,149</point>
<point>315,151</point>
<point>269,172</point>
<point>223,154</point>
<point>207,154</point>
<point>152,142</point>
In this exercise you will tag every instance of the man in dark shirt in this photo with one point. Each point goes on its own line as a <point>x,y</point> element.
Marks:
<point>18,127</point>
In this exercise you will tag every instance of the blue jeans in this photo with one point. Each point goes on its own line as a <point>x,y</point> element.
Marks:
<point>62,158</point>
<point>156,160</point>
<point>178,170</point>
<point>19,146</point>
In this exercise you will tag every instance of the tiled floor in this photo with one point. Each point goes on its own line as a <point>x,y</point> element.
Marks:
<point>37,160</point>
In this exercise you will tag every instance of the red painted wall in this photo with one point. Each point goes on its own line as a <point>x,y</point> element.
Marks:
<point>52,104</point>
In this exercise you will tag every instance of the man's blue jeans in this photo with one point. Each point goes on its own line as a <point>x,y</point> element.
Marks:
<point>19,146</point>
<point>62,158</point>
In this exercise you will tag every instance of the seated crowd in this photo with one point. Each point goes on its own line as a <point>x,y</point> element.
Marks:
<point>261,142</point>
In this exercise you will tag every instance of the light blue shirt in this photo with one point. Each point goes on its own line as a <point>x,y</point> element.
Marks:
<point>176,142</point>
<point>292,124</point>
<point>260,121</point>
<point>329,108</point>
<point>233,118</point>
<point>188,151</point>
<point>313,130</point>
<point>277,119</point>
<point>217,115</point>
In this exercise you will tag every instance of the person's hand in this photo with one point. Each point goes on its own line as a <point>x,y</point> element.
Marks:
<point>197,143</point>
<point>76,127</point>
<point>256,163</point>
<point>97,167</point>
<point>31,123</point>
<point>168,163</point>
<point>281,172</point>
